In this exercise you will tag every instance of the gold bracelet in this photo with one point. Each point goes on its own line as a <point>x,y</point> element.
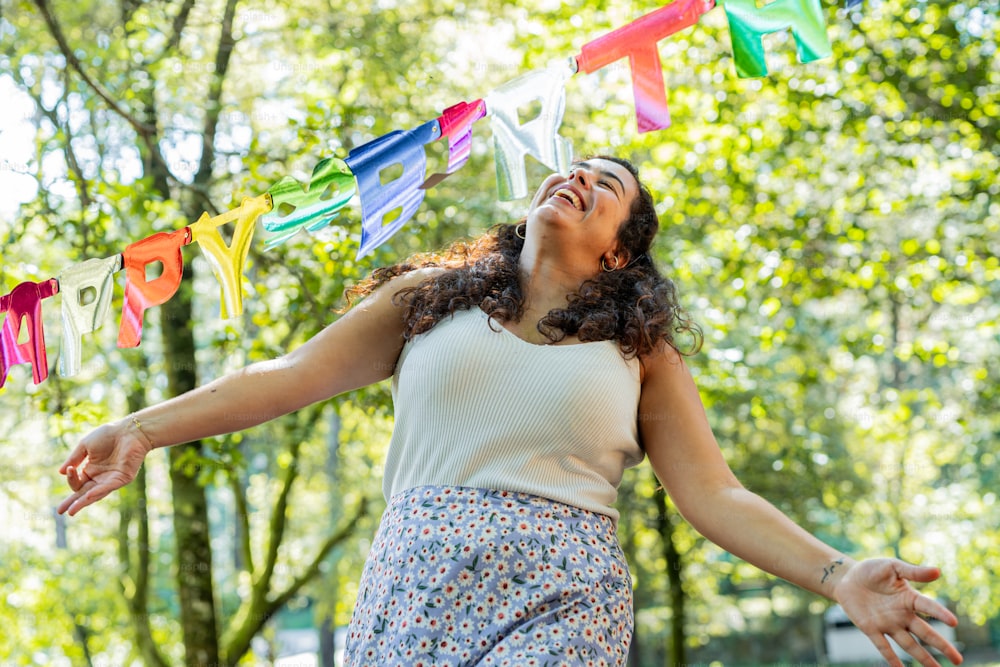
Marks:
<point>144,434</point>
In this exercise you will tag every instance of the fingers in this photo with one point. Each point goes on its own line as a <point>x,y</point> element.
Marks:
<point>909,644</point>
<point>76,477</point>
<point>75,458</point>
<point>926,633</point>
<point>885,648</point>
<point>71,505</point>
<point>908,641</point>
<point>928,607</point>
<point>89,494</point>
<point>65,504</point>
<point>919,573</point>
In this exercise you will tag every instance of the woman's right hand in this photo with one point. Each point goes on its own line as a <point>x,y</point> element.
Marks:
<point>106,459</point>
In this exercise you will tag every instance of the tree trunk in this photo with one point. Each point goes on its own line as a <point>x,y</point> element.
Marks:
<point>327,642</point>
<point>135,571</point>
<point>665,527</point>
<point>328,624</point>
<point>190,502</point>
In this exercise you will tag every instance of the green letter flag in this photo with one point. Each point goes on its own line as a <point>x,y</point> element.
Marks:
<point>330,188</point>
<point>748,23</point>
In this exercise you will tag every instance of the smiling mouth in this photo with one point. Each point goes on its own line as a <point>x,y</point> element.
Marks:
<point>570,196</point>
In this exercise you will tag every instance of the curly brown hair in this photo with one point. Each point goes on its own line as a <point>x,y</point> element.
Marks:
<point>635,306</point>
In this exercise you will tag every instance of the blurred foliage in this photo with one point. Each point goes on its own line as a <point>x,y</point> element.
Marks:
<point>835,229</point>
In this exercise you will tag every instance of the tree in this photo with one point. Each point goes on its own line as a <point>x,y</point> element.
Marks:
<point>832,227</point>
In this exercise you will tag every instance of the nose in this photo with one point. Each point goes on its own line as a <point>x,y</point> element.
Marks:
<point>580,175</point>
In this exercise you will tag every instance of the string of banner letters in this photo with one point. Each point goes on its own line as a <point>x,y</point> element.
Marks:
<point>288,207</point>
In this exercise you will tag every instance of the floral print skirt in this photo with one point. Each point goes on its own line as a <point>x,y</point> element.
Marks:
<point>462,576</point>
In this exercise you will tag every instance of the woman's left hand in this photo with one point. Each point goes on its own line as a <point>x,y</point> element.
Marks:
<point>878,598</point>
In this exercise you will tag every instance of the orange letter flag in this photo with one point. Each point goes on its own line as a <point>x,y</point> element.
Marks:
<point>141,294</point>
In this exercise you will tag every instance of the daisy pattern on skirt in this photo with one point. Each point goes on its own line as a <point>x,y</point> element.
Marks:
<point>465,577</point>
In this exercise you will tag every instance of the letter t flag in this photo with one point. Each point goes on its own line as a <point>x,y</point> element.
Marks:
<point>637,40</point>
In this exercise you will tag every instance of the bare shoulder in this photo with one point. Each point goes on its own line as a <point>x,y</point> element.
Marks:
<point>362,346</point>
<point>415,277</point>
<point>383,297</point>
<point>662,363</point>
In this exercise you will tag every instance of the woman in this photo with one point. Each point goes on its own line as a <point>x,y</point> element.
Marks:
<point>530,369</point>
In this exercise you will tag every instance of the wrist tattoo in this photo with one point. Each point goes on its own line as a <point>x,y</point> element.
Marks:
<point>828,571</point>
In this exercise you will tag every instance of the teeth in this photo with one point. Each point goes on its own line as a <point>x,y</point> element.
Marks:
<point>570,196</point>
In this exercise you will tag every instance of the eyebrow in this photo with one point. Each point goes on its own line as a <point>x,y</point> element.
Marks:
<point>604,172</point>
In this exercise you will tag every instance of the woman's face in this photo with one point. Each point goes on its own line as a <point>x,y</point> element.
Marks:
<point>585,209</point>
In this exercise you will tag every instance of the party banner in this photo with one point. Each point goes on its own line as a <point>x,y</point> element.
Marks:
<point>386,206</point>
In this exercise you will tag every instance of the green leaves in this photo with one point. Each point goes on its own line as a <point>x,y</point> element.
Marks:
<point>834,228</point>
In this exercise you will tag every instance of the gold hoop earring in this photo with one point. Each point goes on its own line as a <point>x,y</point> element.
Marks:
<point>609,269</point>
<point>517,230</point>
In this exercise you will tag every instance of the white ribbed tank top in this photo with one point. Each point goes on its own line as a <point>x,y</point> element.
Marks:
<point>477,406</point>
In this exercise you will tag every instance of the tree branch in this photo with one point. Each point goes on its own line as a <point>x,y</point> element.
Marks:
<point>135,588</point>
<point>222,57</point>
<point>74,164</point>
<point>310,572</point>
<point>253,616</point>
<point>180,21</point>
<point>147,132</point>
<point>76,172</point>
<point>243,516</point>
<point>276,527</point>
<point>74,62</point>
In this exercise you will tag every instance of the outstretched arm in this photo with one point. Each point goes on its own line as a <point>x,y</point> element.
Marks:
<point>358,349</point>
<point>876,594</point>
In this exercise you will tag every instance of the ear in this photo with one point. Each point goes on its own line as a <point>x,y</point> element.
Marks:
<point>614,260</point>
<point>619,258</point>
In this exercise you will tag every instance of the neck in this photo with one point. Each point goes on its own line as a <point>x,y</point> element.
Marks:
<point>547,279</point>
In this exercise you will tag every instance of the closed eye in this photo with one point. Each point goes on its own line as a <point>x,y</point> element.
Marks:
<point>607,184</point>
